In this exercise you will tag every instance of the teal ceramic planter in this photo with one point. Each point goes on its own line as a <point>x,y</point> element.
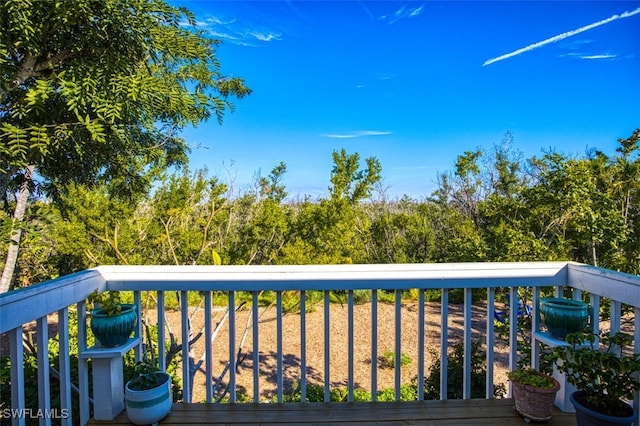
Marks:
<point>563,316</point>
<point>113,330</point>
<point>149,406</point>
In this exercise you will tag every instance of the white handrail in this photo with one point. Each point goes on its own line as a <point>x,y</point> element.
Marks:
<point>35,303</point>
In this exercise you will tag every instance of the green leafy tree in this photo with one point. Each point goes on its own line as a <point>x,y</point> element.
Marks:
<point>265,228</point>
<point>575,207</point>
<point>335,229</point>
<point>626,193</point>
<point>188,217</point>
<point>348,182</point>
<point>402,233</point>
<point>98,91</point>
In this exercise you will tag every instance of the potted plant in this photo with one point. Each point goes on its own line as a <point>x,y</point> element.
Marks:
<point>563,316</point>
<point>148,395</point>
<point>534,393</point>
<point>111,321</point>
<point>603,373</point>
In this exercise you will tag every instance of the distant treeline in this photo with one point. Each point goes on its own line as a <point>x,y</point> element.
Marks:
<point>492,206</point>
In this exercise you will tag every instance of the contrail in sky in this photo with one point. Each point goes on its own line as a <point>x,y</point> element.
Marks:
<point>561,36</point>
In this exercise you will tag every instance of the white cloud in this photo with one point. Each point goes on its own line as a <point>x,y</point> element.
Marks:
<point>561,37</point>
<point>265,36</point>
<point>232,31</point>
<point>416,12</point>
<point>217,21</point>
<point>357,134</point>
<point>402,13</point>
<point>603,56</point>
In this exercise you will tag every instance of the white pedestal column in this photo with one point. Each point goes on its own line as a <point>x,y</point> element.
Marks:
<point>108,379</point>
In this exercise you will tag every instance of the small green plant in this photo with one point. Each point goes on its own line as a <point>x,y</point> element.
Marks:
<point>455,374</point>
<point>408,392</point>
<point>146,376</point>
<point>315,393</point>
<point>596,369</point>
<point>531,377</point>
<point>388,359</point>
<point>108,301</point>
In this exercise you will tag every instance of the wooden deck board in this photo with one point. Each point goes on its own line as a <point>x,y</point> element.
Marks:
<point>497,412</point>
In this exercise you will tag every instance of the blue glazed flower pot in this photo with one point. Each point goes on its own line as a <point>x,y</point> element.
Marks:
<point>563,316</point>
<point>588,417</point>
<point>113,330</point>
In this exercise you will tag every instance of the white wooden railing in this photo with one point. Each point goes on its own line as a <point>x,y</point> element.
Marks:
<point>36,304</point>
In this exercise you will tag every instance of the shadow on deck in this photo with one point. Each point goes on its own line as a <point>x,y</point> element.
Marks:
<point>452,412</point>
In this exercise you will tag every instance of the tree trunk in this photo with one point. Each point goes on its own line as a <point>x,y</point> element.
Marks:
<point>16,232</point>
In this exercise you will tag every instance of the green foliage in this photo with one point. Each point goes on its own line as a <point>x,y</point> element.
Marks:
<point>347,182</point>
<point>527,376</point>
<point>455,374</point>
<point>315,393</point>
<point>599,369</point>
<point>146,376</point>
<point>104,105</point>
<point>150,357</point>
<point>408,392</point>
<point>562,209</point>
<point>388,359</point>
<point>109,302</point>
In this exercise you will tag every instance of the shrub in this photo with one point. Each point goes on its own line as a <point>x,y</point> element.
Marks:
<point>315,393</point>
<point>388,359</point>
<point>407,393</point>
<point>455,374</point>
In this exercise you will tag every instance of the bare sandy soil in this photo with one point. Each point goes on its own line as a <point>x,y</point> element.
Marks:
<point>338,352</point>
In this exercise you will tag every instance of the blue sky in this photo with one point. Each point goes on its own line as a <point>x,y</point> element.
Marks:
<point>415,84</point>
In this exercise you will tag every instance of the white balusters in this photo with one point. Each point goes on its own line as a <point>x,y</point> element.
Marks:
<point>421,332</point>
<point>374,345</point>
<point>444,342</point>
<point>208,352</point>
<point>17,375</point>
<point>186,368</point>
<point>64,364</point>
<point>490,340</point>
<point>44,391</point>
<point>467,344</point>
<point>303,346</point>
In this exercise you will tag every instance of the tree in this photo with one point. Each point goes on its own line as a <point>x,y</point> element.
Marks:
<point>626,189</point>
<point>335,230</point>
<point>347,182</point>
<point>264,226</point>
<point>98,91</point>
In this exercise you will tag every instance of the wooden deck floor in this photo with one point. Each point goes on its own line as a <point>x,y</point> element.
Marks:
<point>497,412</point>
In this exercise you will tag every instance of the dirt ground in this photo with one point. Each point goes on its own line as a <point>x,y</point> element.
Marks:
<point>338,352</point>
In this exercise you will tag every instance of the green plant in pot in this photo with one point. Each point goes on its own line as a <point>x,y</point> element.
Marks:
<point>148,395</point>
<point>534,393</point>
<point>111,321</point>
<point>603,373</point>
